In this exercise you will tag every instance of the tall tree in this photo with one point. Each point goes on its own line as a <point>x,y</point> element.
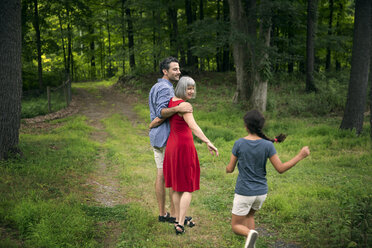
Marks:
<point>226,47</point>
<point>173,28</point>
<point>218,36</point>
<point>69,43</point>
<point>109,72</point>
<point>370,88</point>
<point>312,6</point>
<point>192,60</point>
<point>38,43</point>
<point>123,32</point>
<point>239,25</point>
<point>357,92</point>
<point>10,76</point>
<point>338,31</point>
<point>63,47</point>
<point>132,61</point>
<point>330,32</point>
<point>250,50</point>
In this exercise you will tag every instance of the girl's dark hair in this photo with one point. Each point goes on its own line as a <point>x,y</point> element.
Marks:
<point>254,121</point>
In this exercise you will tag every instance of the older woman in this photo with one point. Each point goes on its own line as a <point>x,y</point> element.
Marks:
<point>181,164</point>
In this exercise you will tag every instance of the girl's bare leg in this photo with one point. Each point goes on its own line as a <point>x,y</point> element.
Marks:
<point>249,220</point>
<point>242,224</point>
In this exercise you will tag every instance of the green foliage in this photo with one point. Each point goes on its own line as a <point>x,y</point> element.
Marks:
<point>288,98</point>
<point>38,105</point>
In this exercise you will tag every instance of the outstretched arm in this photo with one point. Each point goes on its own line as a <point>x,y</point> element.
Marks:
<point>283,167</point>
<point>189,118</point>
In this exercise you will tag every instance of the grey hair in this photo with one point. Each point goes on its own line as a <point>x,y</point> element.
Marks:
<point>182,85</point>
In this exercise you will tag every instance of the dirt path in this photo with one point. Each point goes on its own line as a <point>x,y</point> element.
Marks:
<point>103,181</point>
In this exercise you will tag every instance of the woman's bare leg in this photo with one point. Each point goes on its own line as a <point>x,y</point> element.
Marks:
<point>184,206</point>
<point>176,196</point>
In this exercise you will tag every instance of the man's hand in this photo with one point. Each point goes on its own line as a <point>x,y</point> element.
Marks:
<point>184,107</point>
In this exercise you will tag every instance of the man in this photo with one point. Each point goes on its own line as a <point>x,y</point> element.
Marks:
<point>159,97</point>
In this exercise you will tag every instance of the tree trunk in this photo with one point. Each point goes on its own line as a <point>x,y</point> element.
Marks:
<point>192,61</point>
<point>201,17</point>
<point>63,46</point>
<point>328,57</point>
<point>123,32</point>
<point>11,76</point>
<point>109,72</point>
<point>258,98</point>
<point>154,42</point>
<point>93,75</point>
<point>338,32</point>
<point>360,59</point>
<point>370,88</point>
<point>103,55</point>
<point>226,64</point>
<point>69,45</point>
<point>310,44</point>
<point>219,50</point>
<point>38,44</point>
<point>290,43</point>
<point>239,25</point>
<point>132,61</point>
<point>173,29</point>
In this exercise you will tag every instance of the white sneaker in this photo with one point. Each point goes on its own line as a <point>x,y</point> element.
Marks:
<point>251,239</point>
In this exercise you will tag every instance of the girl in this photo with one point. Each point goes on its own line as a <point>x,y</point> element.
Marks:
<point>251,153</point>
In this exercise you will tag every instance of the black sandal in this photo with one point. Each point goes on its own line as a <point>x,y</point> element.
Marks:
<point>188,221</point>
<point>164,218</point>
<point>172,220</point>
<point>180,227</point>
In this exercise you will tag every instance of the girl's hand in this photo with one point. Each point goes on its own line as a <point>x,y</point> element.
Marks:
<point>305,151</point>
<point>212,149</point>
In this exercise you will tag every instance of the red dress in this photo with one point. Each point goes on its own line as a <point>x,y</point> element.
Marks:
<point>181,164</point>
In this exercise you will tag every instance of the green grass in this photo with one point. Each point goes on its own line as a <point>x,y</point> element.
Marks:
<point>35,106</point>
<point>39,191</point>
<point>324,201</point>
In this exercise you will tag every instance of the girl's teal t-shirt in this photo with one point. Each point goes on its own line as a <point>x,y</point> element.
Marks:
<point>252,157</point>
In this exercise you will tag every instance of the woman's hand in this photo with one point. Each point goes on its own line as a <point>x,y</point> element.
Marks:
<point>212,149</point>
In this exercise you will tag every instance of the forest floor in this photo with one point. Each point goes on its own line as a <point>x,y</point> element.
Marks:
<point>103,181</point>
<point>106,185</point>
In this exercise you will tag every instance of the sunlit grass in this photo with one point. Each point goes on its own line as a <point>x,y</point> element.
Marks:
<point>89,85</point>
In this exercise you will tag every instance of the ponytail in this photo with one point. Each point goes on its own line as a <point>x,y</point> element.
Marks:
<point>255,121</point>
<point>278,139</point>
